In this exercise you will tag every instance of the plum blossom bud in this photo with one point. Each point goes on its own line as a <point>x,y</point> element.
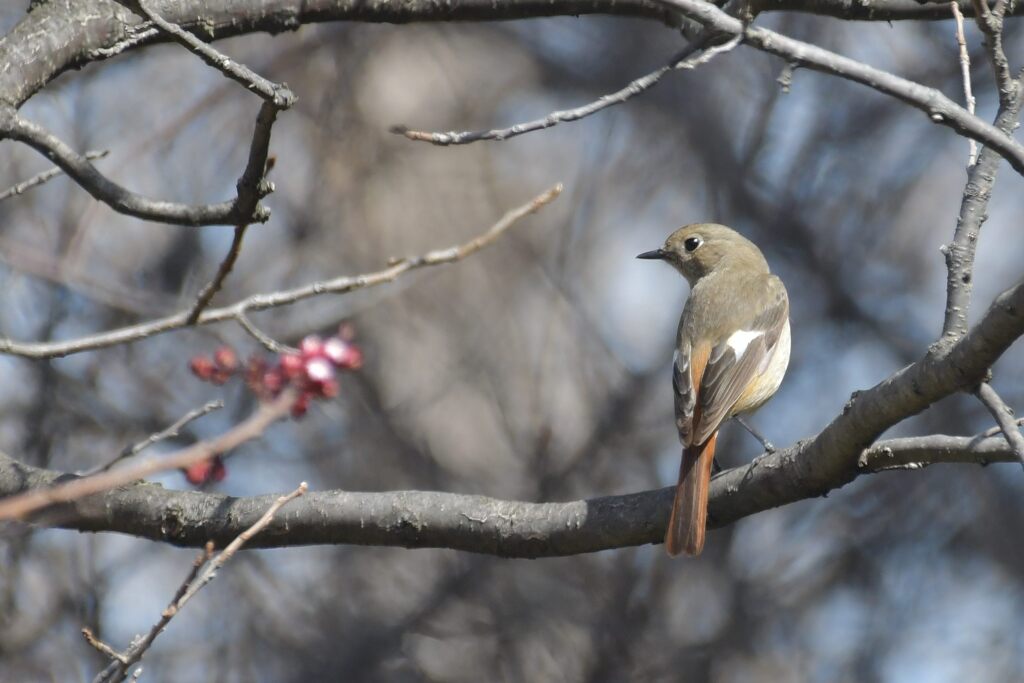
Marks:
<point>226,358</point>
<point>202,367</point>
<point>205,471</point>
<point>311,346</point>
<point>292,365</point>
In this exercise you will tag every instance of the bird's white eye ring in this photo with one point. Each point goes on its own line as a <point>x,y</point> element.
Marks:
<point>692,243</point>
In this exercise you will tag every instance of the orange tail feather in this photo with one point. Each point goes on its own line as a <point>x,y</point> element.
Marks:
<point>689,517</point>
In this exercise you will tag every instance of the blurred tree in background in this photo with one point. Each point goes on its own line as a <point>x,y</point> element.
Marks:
<point>535,370</point>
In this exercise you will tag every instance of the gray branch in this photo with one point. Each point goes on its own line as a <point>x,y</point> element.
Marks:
<point>1003,416</point>
<point>837,455</point>
<point>120,199</point>
<point>939,108</point>
<point>60,35</point>
<point>429,519</point>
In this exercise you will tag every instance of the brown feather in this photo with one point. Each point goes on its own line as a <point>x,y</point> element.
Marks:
<point>688,521</point>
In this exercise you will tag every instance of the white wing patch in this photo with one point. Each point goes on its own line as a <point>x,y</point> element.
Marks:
<point>740,340</point>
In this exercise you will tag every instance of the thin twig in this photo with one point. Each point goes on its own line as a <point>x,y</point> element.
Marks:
<point>269,343</point>
<point>169,433</point>
<point>278,95</point>
<point>46,175</point>
<point>102,647</point>
<point>210,290</point>
<point>252,186</point>
<point>122,662</point>
<point>939,108</point>
<point>1003,415</point>
<point>210,572</point>
<point>965,73</point>
<point>685,59</point>
<point>259,302</point>
<point>20,505</point>
<point>992,431</point>
<point>204,570</point>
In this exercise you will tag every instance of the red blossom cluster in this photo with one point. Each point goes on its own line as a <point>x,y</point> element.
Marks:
<point>312,371</point>
<point>205,471</point>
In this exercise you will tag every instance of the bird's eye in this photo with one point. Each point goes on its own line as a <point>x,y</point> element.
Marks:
<point>692,243</point>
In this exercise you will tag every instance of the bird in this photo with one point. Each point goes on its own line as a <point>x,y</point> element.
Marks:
<point>732,351</point>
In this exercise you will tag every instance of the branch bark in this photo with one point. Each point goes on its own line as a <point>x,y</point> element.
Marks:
<point>837,455</point>
<point>429,519</point>
<point>60,35</point>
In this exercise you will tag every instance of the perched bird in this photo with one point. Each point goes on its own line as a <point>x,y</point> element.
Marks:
<point>732,349</point>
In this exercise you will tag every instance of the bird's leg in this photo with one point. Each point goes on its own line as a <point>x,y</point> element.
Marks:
<point>765,443</point>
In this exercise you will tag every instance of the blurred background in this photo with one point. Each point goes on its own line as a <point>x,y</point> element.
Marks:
<point>537,370</point>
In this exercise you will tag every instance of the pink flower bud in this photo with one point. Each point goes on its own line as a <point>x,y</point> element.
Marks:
<point>205,471</point>
<point>319,371</point>
<point>311,346</point>
<point>202,367</point>
<point>292,365</point>
<point>273,381</point>
<point>343,354</point>
<point>226,358</point>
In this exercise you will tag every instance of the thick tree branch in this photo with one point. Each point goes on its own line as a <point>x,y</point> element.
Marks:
<point>833,458</point>
<point>59,35</point>
<point>427,519</point>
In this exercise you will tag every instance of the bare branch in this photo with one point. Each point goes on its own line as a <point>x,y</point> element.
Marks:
<point>262,523</point>
<point>102,647</point>
<point>169,433</point>
<point>965,74</point>
<point>917,452</point>
<point>959,254</point>
<point>252,186</point>
<point>122,200</point>
<point>92,30</point>
<point>118,668</point>
<point>685,59</point>
<point>279,96</point>
<point>46,175</point>
<point>204,570</point>
<point>1003,415</point>
<point>207,293</point>
<point>939,108</point>
<point>268,342</point>
<point>20,505</point>
<point>991,24</point>
<point>259,302</point>
<point>841,452</point>
<point>427,519</point>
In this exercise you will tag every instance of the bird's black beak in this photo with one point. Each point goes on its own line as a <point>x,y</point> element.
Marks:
<point>657,254</point>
